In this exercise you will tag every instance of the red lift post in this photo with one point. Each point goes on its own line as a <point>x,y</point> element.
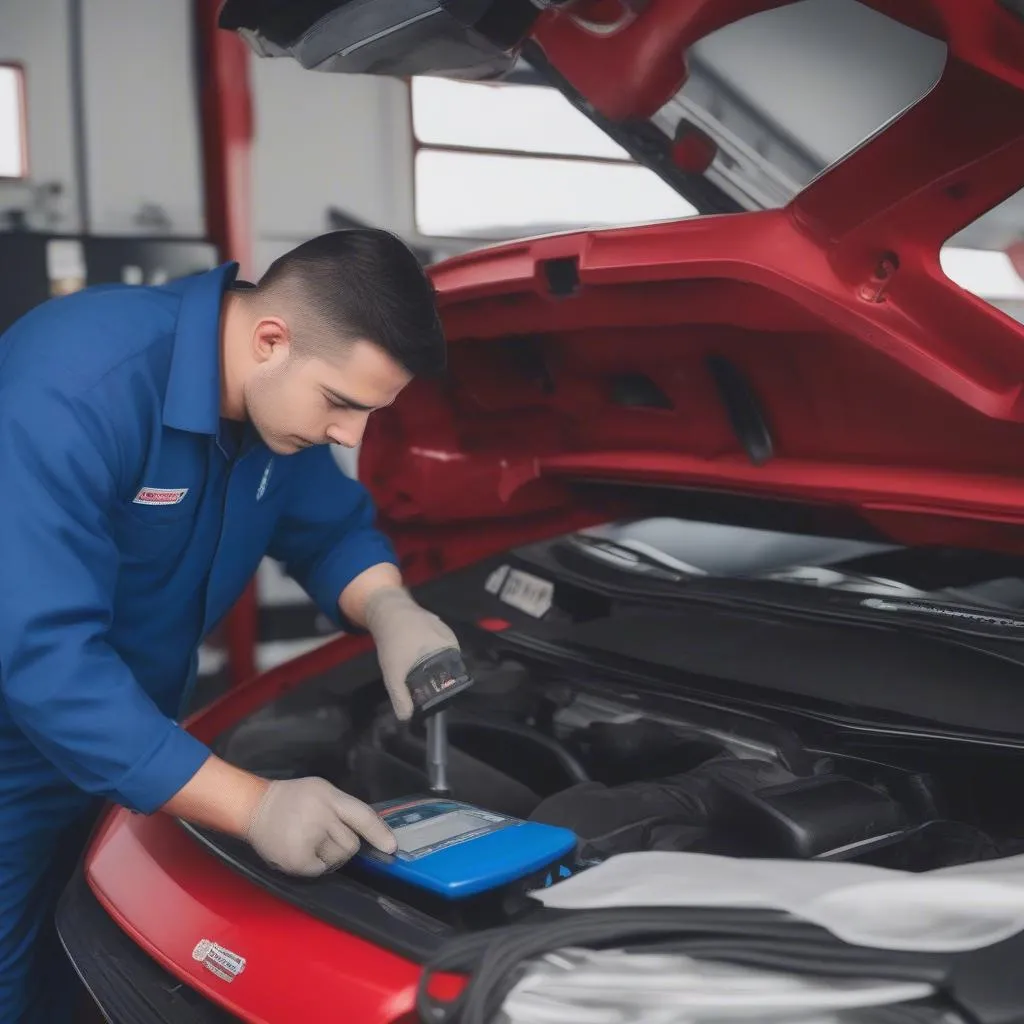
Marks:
<point>227,127</point>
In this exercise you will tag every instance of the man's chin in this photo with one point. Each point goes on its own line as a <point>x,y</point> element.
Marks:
<point>283,447</point>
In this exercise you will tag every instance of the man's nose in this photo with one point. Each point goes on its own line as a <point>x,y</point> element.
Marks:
<point>349,432</point>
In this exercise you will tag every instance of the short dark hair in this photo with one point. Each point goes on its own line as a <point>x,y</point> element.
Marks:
<point>362,283</point>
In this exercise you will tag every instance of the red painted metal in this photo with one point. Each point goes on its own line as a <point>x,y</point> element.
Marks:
<point>167,894</point>
<point>492,446</point>
<point>836,309</point>
<point>888,389</point>
<point>227,118</point>
<point>977,495</point>
<point>647,53</point>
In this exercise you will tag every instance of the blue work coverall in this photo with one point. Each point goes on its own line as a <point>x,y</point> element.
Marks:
<point>131,519</point>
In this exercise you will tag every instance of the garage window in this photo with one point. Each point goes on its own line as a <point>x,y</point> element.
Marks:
<point>504,160</point>
<point>13,147</point>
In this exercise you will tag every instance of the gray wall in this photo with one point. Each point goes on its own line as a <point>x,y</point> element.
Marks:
<point>327,140</point>
<point>35,34</point>
<point>141,126</point>
<point>321,140</point>
<point>141,115</point>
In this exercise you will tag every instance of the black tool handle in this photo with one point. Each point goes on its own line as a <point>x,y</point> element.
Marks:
<point>436,680</point>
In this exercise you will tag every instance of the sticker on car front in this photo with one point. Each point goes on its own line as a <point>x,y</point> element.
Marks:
<point>218,960</point>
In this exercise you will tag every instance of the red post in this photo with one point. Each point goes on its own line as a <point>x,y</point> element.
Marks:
<point>227,126</point>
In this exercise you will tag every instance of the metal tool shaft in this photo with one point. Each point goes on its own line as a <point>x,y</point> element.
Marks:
<point>437,752</point>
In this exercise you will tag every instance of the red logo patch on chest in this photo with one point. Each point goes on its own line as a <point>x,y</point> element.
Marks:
<point>160,495</point>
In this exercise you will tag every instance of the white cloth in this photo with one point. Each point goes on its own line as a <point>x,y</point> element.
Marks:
<point>580,986</point>
<point>948,910</point>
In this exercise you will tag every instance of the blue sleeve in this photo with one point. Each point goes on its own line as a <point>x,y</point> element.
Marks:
<point>326,536</point>
<point>64,685</point>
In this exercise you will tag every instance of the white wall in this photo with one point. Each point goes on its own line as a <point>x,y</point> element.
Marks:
<point>142,115</point>
<point>327,140</point>
<point>35,34</point>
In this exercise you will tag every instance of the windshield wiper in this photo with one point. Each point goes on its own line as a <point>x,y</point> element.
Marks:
<point>894,612</point>
<point>648,575</point>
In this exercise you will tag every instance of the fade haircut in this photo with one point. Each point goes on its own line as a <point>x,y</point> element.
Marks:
<point>358,283</point>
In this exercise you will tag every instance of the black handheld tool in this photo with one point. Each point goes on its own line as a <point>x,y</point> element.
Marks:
<point>433,683</point>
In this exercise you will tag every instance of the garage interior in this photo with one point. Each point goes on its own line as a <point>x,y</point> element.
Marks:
<point>140,142</point>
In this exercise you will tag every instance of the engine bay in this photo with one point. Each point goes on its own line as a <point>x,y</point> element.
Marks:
<point>626,772</point>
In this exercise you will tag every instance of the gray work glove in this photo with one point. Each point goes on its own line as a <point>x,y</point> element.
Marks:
<point>308,827</point>
<point>405,634</point>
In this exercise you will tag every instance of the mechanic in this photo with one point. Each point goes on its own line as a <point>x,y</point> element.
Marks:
<point>157,443</point>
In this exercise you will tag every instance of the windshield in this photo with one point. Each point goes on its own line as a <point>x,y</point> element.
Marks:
<point>678,550</point>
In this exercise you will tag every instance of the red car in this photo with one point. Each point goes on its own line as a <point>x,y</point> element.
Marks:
<point>727,512</point>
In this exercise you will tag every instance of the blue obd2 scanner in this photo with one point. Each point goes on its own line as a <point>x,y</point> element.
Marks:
<point>455,851</point>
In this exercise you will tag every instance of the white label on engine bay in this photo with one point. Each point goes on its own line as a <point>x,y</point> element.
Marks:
<point>495,580</point>
<point>528,593</point>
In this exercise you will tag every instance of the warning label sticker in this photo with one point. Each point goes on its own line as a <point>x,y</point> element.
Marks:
<point>528,593</point>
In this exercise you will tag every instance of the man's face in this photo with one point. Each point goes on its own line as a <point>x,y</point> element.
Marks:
<point>296,401</point>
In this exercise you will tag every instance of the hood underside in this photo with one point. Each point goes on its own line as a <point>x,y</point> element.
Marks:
<point>816,352</point>
<point>732,353</point>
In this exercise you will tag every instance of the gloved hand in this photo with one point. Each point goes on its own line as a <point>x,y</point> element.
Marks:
<point>308,827</point>
<point>405,634</point>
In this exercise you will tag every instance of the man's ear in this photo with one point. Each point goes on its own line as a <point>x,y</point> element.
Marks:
<point>270,338</point>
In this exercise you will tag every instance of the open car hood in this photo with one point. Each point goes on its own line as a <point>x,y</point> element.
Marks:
<point>690,88</point>
<point>474,39</point>
<point>816,352</point>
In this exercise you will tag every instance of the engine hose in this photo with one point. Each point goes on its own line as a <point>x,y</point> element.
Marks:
<point>496,959</point>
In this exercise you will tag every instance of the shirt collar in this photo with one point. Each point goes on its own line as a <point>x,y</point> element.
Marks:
<point>192,400</point>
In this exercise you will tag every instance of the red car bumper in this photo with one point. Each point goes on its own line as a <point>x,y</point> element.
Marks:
<point>166,894</point>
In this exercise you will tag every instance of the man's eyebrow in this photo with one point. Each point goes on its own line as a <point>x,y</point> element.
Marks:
<point>351,402</point>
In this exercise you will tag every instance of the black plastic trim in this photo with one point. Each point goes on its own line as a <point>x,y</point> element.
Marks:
<point>563,276</point>
<point>744,409</point>
<point>1015,7</point>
